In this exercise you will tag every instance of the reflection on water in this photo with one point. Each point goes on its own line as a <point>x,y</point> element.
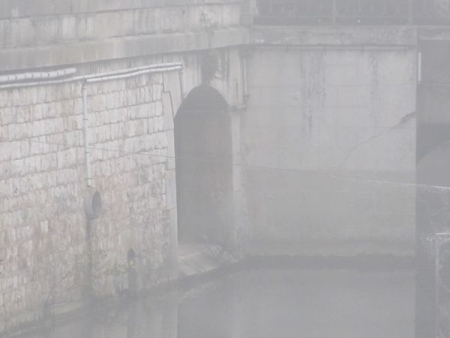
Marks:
<point>267,303</point>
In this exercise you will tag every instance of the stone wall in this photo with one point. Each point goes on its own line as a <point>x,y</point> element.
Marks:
<point>50,256</point>
<point>330,141</point>
<point>45,250</point>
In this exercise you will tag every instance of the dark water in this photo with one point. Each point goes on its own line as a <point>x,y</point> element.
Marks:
<point>266,303</point>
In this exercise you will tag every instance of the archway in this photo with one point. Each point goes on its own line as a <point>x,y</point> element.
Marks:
<point>203,150</point>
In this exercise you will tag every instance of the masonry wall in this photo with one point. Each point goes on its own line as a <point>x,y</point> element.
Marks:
<point>50,256</point>
<point>45,249</point>
<point>330,141</point>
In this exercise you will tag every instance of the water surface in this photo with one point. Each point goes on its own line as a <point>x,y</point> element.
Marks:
<point>263,304</point>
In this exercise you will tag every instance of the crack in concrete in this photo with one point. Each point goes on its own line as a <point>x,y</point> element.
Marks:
<point>405,119</point>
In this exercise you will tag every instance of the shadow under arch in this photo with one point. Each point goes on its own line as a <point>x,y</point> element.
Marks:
<point>203,149</point>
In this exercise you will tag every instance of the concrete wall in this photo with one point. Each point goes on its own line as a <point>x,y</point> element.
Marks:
<point>51,33</point>
<point>330,123</point>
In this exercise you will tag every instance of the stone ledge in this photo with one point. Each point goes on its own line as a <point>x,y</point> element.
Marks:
<point>118,48</point>
<point>334,36</point>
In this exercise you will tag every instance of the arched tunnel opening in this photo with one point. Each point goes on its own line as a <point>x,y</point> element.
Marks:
<point>203,167</point>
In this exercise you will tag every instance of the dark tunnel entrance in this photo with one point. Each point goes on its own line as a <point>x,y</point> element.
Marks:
<point>203,167</point>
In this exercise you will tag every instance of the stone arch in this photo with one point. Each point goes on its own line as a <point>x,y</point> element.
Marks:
<point>203,148</point>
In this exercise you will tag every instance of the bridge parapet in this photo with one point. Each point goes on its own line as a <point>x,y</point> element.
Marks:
<point>43,33</point>
<point>27,8</point>
<point>294,12</point>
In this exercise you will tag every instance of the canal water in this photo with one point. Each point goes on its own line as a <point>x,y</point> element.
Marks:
<point>264,304</point>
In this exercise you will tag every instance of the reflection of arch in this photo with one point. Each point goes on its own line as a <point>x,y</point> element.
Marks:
<point>203,164</point>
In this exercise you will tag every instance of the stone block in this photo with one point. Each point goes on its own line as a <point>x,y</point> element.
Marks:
<point>7,116</point>
<point>123,98</point>
<point>23,114</point>
<point>17,131</point>
<point>38,128</point>
<point>5,98</point>
<point>5,188</point>
<point>171,150</point>
<point>39,111</point>
<point>12,149</point>
<point>131,97</point>
<point>157,90</point>
<point>142,111</point>
<point>97,103</point>
<point>158,124</point>
<point>37,181</point>
<point>112,101</point>
<point>129,128</point>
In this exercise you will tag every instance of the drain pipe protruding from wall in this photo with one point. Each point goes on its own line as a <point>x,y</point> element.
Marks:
<point>181,81</point>
<point>93,198</point>
<point>87,159</point>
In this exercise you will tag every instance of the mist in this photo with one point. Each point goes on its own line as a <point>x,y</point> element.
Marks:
<point>226,168</point>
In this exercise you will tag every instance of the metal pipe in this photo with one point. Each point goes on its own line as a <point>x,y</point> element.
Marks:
<point>87,162</point>
<point>135,71</point>
<point>128,75</point>
<point>182,87</point>
<point>37,75</point>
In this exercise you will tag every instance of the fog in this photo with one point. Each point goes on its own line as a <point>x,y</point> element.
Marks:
<point>226,168</point>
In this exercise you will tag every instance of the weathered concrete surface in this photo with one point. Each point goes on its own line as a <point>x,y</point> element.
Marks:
<point>326,131</point>
<point>336,36</point>
<point>27,8</point>
<point>46,34</point>
<point>117,48</point>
